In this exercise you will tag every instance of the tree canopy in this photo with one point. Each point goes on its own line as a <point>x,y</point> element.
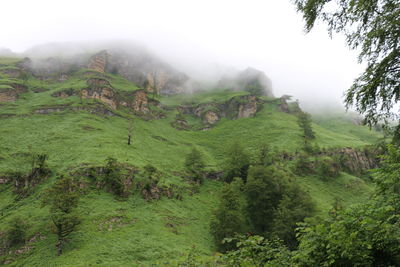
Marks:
<point>373,28</point>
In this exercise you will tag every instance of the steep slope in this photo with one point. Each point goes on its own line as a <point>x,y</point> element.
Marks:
<point>84,119</point>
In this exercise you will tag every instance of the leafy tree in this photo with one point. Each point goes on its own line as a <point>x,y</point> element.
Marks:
<point>237,163</point>
<point>372,27</point>
<point>264,190</point>
<point>194,165</point>
<point>63,198</point>
<point>304,121</point>
<point>228,217</point>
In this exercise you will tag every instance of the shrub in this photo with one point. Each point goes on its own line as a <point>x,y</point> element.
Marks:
<point>302,165</point>
<point>327,167</point>
<point>113,179</point>
<point>194,165</point>
<point>16,233</point>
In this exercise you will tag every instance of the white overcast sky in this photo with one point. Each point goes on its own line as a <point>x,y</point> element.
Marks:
<point>265,34</point>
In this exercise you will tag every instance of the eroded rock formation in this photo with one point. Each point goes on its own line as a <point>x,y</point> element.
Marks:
<point>98,61</point>
<point>11,91</point>
<point>358,161</point>
<point>102,90</point>
<point>235,108</point>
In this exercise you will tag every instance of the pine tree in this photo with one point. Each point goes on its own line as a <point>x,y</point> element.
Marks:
<point>228,218</point>
<point>237,163</point>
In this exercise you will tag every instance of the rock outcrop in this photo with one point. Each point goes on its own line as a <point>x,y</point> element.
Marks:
<point>283,105</point>
<point>357,161</point>
<point>210,117</point>
<point>146,71</point>
<point>10,92</point>
<point>98,61</point>
<point>235,108</point>
<point>11,72</point>
<point>102,90</point>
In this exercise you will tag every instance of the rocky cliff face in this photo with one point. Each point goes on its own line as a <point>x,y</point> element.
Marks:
<point>146,71</point>
<point>101,89</point>
<point>98,61</point>
<point>235,108</point>
<point>358,161</point>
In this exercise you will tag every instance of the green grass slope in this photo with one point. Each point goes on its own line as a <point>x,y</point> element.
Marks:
<point>135,232</point>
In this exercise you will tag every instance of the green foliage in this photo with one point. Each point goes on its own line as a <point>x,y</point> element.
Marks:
<point>113,179</point>
<point>304,121</point>
<point>372,27</point>
<point>63,198</point>
<point>362,235</point>
<point>275,205</point>
<point>194,165</point>
<point>265,156</point>
<point>16,233</point>
<point>327,167</point>
<point>24,184</point>
<point>264,190</point>
<point>256,251</point>
<point>294,207</point>
<point>302,164</point>
<point>387,178</point>
<point>80,135</point>
<point>237,162</point>
<point>147,179</point>
<point>229,218</point>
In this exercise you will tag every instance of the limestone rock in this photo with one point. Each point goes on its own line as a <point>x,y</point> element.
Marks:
<point>100,89</point>
<point>146,71</point>
<point>210,117</point>
<point>248,109</point>
<point>357,161</point>
<point>235,108</point>
<point>283,105</point>
<point>11,92</point>
<point>8,95</point>
<point>140,103</point>
<point>98,61</point>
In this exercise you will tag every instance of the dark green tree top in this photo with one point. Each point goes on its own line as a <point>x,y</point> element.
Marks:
<point>373,28</point>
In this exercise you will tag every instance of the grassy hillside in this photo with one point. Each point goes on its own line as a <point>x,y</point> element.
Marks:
<point>133,232</point>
